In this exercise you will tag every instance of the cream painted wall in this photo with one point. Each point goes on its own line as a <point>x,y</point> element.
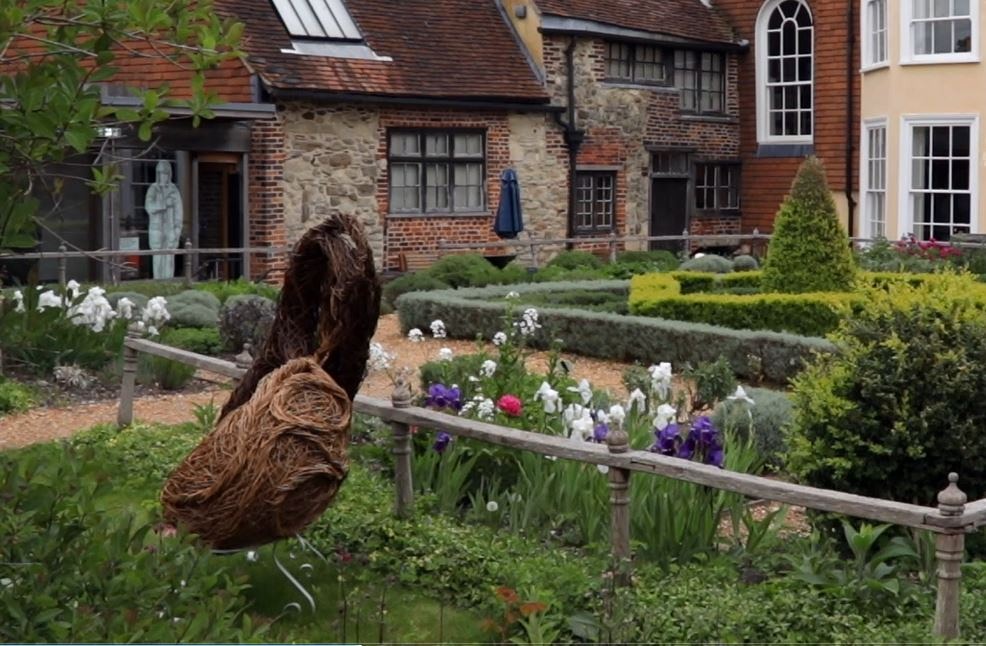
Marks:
<point>897,91</point>
<point>527,28</point>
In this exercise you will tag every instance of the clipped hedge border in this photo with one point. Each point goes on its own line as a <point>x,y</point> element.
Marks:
<point>468,313</point>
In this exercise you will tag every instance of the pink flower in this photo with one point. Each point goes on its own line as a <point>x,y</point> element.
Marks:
<point>510,405</point>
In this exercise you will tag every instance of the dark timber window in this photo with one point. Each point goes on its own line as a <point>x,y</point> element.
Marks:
<point>637,63</point>
<point>437,171</point>
<point>595,197</point>
<point>702,80</point>
<point>716,187</point>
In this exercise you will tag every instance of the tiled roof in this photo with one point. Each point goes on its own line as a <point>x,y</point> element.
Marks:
<point>683,18</point>
<point>453,49</point>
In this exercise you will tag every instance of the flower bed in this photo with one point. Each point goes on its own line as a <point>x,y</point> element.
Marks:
<point>470,313</point>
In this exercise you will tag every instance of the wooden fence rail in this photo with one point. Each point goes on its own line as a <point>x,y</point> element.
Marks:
<point>950,520</point>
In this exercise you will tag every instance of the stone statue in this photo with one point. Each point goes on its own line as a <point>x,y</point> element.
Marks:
<point>166,216</point>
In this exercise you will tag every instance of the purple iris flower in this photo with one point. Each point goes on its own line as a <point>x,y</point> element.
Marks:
<point>687,449</point>
<point>442,441</point>
<point>667,440</point>
<point>704,442</point>
<point>600,432</point>
<point>716,457</point>
<point>441,397</point>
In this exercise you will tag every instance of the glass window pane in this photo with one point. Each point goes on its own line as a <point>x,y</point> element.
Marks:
<point>960,141</point>
<point>960,175</point>
<point>963,36</point>
<point>436,187</point>
<point>405,144</point>
<point>436,145</point>
<point>469,145</point>
<point>405,187</point>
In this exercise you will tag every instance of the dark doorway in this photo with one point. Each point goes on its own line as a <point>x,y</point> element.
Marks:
<point>668,210</point>
<point>220,211</point>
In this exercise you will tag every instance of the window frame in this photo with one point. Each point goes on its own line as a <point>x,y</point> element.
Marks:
<point>865,189</point>
<point>699,75</point>
<point>905,221</point>
<point>907,55</point>
<point>718,164</point>
<point>666,61</point>
<point>869,62</point>
<point>763,89</point>
<point>595,228</point>
<point>449,160</point>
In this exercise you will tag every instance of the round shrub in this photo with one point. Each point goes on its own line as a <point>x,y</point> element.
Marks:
<point>575,260</point>
<point>745,263</point>
<point>416,282</point>
<point>245,319</point>
<point>661,259</point>
<point>192,315</point>
<point>766,421</point>
<point>901,404</point>
<point>464,270</point>
<point>194,297</point>
<point>514,273</point>
<point>139,300</point>
<point>708,264</point>
<point>198,340</point>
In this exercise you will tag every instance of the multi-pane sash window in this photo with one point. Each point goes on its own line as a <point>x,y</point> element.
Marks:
<point>702,80</point>
<point>875,187</point>
<point>637,63</point>
<point>875,32</point>
<point>594,201</point>
<point>940,191</point>
<point>787,72</point>
<point>716,187</point>
<point>941,27</point>
<point>435,171</point>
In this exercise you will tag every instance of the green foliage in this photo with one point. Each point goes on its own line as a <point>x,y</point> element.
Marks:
<point>809,251</point>
<point>899,406</point>
<point>692,282</point>
<point>592,300</point>
<point>884,256</point>
<point>558,273</point>
<point>245,319</point>
<point>767,422</point>
<point>199,340</point>
<point>239,287</point>
<point>464,270</point>
<point>745,263</point>
<point>575,260</point>
<point>665,260</point>
<point>168,374</point>
<point>713,381</point>
<point>708,263</point>
<point>139,300</point>
<point>416,282</point>
<point>194,297</point>
<point>468,313</point>
<point>193,309</point>
<point>15,397</point>
<point>52,104</point>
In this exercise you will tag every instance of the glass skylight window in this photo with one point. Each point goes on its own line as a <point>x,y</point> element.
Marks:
<point>320,19</point>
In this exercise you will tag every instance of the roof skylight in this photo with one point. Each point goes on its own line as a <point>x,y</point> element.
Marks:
<point>321,19</point>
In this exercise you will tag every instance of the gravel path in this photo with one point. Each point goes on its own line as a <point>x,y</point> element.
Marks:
<point>46,424</point>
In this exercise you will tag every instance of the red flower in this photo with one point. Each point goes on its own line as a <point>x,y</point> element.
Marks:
<point>510,405</point>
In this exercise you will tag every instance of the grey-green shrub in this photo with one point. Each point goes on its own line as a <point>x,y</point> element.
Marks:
<point>420,281</point>
<point>465,270</point>
<point>665,260</point>
<point>193,315</point>
<point>708,264</point>
<point>139,300</point>
<point>246,319</point>
<point>194,297</point>
<point>767,421</point>
<point>745,262</point>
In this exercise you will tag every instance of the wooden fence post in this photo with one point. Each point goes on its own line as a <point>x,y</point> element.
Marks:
<point>949,550</point>
<point>619,505</point>
<point>125,414</point>
<point>404,502</point>
<point>62,266</point>
<point>188,263</point>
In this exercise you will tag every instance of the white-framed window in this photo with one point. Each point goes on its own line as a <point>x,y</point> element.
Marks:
<point>939,31</point>
<point>785,72</point>
<point>875,34</point>
<point>874,178</point>
<point>939,175</point>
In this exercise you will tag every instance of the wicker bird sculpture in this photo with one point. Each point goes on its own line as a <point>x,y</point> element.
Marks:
<point>278,453</point>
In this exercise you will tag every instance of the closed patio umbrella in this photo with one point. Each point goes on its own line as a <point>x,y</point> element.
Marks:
<point>509,220</point>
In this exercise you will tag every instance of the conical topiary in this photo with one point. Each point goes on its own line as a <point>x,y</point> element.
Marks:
<point>809,251</point>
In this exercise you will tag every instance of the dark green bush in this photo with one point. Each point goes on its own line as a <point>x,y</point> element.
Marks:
<point>224,289</point>
<point>245,319</point>
<point>714,381</point>
<point>809,251</point>
<point>416,282</point>
<point>901,405</point>
<point>575,260</point>
<point>624,270</point>
<point>559,274</point>
<point>708,264</point>
<point>15,397</point>
<point>767,421</point>
<point>665,260</point>
<point>514,273</point>
<point>464,270</point>
<point>470,312</point>
<point>745,263</point>
<point>198,340</point>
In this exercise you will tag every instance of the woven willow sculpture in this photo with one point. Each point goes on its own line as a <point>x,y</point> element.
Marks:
<point>278,454</point>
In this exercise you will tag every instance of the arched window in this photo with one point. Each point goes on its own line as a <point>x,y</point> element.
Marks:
<point>785,72</point>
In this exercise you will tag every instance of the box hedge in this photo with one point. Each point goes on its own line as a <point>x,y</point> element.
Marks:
<point>469,313</point>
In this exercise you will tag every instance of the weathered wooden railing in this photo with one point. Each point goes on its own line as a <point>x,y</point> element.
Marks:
<point>950,521</point>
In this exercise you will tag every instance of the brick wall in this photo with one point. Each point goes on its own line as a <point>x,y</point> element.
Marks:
<point>266,177</point>
<point>767,180</point>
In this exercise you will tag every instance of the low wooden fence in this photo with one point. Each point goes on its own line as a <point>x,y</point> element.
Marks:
<point>950,521</point>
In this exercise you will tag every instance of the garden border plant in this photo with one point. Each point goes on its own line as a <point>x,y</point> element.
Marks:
<point>470,313</point>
